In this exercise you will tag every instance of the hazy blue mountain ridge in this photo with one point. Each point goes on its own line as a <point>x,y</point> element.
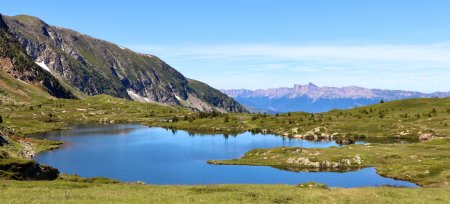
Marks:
<point>312,98</point>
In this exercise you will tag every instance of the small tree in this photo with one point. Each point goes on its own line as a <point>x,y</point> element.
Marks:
<point>1,119</point>
<point>289,113</point>
<point>433,111</point>
<point>382,101</point>
<point>226,119</point>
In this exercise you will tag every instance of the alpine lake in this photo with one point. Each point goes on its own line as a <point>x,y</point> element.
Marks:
<point>132,153</point>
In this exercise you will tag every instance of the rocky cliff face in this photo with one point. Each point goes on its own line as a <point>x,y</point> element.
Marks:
<point>311,98</point>
<point>15,62</point>
<point>95,66</point>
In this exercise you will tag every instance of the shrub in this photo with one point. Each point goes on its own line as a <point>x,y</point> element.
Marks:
<point>433,111</point>
<point>226,119</point>
<point>1,119</point>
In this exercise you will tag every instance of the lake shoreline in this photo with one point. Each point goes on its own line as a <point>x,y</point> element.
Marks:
<point>169,135</point>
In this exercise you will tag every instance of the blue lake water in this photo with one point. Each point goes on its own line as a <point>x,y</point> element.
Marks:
<point>157,156</point>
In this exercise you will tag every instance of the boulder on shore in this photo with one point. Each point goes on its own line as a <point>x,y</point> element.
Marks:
<point>26,170</point>
<point>426,136</point>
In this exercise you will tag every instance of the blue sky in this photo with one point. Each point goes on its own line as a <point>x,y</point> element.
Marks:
<point>401,44</point>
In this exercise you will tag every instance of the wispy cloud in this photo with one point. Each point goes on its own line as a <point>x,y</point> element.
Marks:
<point>411,67</point>
<point>436,53</point>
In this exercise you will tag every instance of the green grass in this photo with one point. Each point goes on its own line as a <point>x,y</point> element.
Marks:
<point>16,146</point>
<point>56,114</point>
<point>48,114</point>
<point>88,192</point>
<point>404,119</point>
<point>14,91</point>
<point>425,163</point>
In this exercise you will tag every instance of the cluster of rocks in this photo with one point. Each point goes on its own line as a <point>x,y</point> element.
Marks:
<point>27,150</point>
<point>312,185</point>
<point>321,134</point>
<point>306,162</point>
<point>426,136</point>
<point>345,141</point>
<point>318,133</point>
<point>106,120</point>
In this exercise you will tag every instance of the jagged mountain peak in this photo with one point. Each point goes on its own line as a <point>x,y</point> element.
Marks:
<point>310,84</point>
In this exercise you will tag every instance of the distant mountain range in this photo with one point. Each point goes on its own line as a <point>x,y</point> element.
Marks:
<point>69,64</point>
<point>312,98</point>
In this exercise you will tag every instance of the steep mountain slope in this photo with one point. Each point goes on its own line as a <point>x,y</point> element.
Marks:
<point>20,78</point>
<point>311,98</point>
<point>95,66</point>
<point>214,96</point>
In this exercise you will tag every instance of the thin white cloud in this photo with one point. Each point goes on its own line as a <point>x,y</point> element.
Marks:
<point>409,67</point>
<point>433,53</point>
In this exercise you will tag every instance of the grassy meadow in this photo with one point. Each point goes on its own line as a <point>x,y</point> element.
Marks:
<point>86,192</point>
<point>425,163</point>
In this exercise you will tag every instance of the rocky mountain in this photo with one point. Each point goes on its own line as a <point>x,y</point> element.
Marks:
<point>20,77</point>
<point>93,66</point>
<point>311,98</point>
